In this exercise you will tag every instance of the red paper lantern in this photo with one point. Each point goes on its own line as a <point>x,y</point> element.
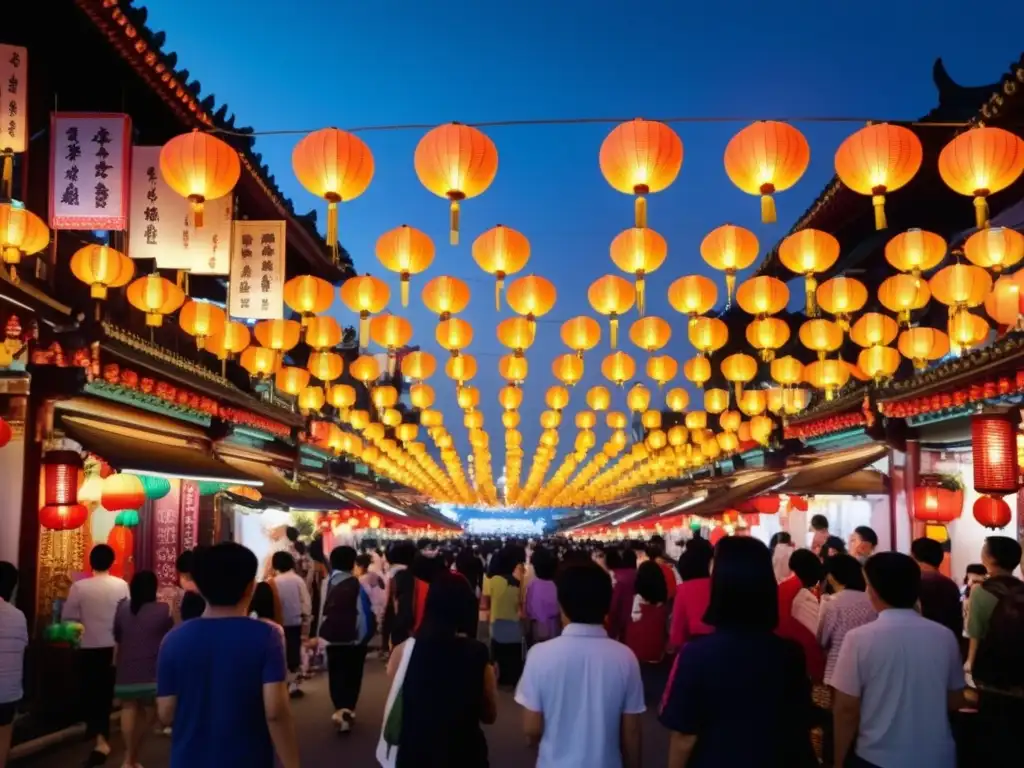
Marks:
<point>61,510</point>
<point>122,541</point>
<point>935,504</point>
<point>716,535</point>
<point>992,512</point>
<point>5,432</point>
<point>994,442</point>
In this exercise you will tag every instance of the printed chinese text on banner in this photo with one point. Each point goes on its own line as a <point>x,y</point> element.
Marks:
<point>256,286</point>
<point>89,158</point>
<point>14,86</point>
<point>161,222</point>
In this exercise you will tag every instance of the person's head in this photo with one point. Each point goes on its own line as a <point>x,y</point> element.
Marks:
<point>467,563</point>
<point>975,574</point>
<point>544,563</point>
<point>656,546</point>
<point>613,558</point>
<point>292,533</point>
<point>282,562</point>
<point>101,558</point>
<point>696,560</point>
<point>8,580</point>
<point>863,541</point>
<point>316,550</point>
<point>184,567</point>
<point>362,565</point>
<point>628,559</point>
<point>833,546</point>
<point>782,537</point>
<point>927,552</point>
<point>225,574</point>
<point>844,572</point>
<point>600,557</point>
<point>450,609</point>
<point>142,590</point>
<point>262,602</point>
<point>806,566</point>
<point>584,593</point>
<point>402,553</point>
<point>819,523</point>
<point>343,559</point>
<point>300,548</point>
<point>650,583</point>
<point>894,580</point>
<point>744,594</point>
<point>1000,554</point>
<point>426,566</point>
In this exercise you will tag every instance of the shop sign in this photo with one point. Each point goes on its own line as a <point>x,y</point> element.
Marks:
<point>256,285</point>
<point>14,105</point>
<point>165,536</point>
<point>189,514</point>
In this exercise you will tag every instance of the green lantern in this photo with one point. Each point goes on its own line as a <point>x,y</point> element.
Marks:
<point>210,487</point>
<point>129,518</point>
<point>155,487</point>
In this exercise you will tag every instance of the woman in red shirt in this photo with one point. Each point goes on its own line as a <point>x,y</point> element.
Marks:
<point>646,630</point>
<point>693,595</point>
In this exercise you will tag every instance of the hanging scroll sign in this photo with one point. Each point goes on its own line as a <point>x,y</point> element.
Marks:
<point>256,285</point>
<point>14,114</point>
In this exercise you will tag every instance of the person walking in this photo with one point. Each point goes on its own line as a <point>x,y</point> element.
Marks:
<point>140,625</point>
<point>940,596</point>
<point>346,626</point>
<point>694,594</point>
<point>541,603</point>
<point>447,686</point>
<point>581,692</point>
<point>374,585</point>
<point>221,678</point>
<point>742,663</point>
<point>622,565</point>
<point>296,611</point>
<point>896,678</point>
<point>266,607</point>
<point>93,601</point>
<point>189,603</point>
<point>502,599</point>
<point>13,642</point>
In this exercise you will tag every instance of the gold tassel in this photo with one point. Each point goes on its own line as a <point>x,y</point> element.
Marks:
<point>730,286</point>
<point>405,289</point>
<point>738,391</point>
<point>640,211</point>
<point>499,286</point>
<point>768,215</point>
<point>197,211</point>
<point>614,330</point>
<point>454,222</point>
<point>879,202</point>
<point>640,293</point>
<point>810,286</point>
<point>364,329</point>
<point>392,360</point>
<point>981,211</point>
<point>7,180</point>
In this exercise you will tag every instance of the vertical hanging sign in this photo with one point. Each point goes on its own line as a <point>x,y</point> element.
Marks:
<point>256,285</point>
<point>89,158</point>
<point>160,222</point>
<point>165,536</point>
<point>14,105</point>
<point>189,514</point>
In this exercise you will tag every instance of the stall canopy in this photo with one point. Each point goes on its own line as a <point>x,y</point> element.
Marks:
<point>144,453</point>
<point>278,491</point>
<point>840,472</point>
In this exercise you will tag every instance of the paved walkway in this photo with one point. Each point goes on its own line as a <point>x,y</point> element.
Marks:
<point>323,747</point>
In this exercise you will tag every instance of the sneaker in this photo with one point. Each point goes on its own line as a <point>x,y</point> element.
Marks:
<point>345,726</point>
<point>336,718</point>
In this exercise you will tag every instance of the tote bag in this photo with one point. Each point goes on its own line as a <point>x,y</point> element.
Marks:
<point>391,728</point>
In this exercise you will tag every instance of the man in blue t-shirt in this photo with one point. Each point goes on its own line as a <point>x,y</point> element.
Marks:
<point>221,677</point>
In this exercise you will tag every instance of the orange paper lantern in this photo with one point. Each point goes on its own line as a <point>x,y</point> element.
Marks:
<point>200,167</point>
<point>903,294</point>
<point>995,248</point>
<point>365,295</point>
<point>639,251</point>
<point>232,339</point>
<point>407,251</point>
<point>278,335</point>
<point>260,362</point>
<point>763,295</point>
<point>501,251</point>
<point>612,296</point>
<point>764,158</point>
<point>650,333</point>
<point>809,252</point>
<point>101,268</point>
<point>980,162</point>
<point>876,160</point>
<point>531,296</point>
<point>445,296</point>
<point>640,157</point>
<point>156,296</point>
<point>915,251</point>
<point>581,333</point>
<point>201,320</point>
<point>729,248</point>
<point>322,332</point>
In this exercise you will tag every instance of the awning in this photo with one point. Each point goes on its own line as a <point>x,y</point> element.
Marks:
<point>144,453</point>
<point>278,491</point>
<point>833,472</point>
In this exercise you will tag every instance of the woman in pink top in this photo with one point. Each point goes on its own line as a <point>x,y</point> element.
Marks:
<point>693,595</point>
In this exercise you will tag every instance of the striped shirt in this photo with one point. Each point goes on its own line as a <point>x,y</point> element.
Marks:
<point>847,610</point>
<point>13,639</point>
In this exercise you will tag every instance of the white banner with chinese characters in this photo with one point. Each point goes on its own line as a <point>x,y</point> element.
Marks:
<point>256,286</point>
<point>14,106</point>
<point>160,222</point>
<point>90,154</point>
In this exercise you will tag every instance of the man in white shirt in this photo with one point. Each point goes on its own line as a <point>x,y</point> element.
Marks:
<point>296,612</point>
<point>13,641</point>
<point>897,678</point>
<point>581,692</point>
<point>93,602</point>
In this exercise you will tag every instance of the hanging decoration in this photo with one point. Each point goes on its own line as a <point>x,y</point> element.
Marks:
<point>639,251</point>
<point>407,251</point>
<point>365,295</point>
<point>90,154</point>
<point>639,158</point>
<point>156,296</point>
<point>764,158</point>
<point>256,283</point>
<point>199,167</point>
<point>729,249</point>
<point>980,162</point>
<point>61,510</point>
<point>809,252</point>
<point>879,159</point>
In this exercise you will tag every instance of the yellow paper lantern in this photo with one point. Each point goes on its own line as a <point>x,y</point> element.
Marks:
<point>809,252</point>
<point>764,158</point>
<point>878,362</point>
<point>259,362</point>
<point>662,369</point>
<point>729,248</point>
<point>461,369</point>
<point>341,396</point>
<point>903,294</point>
<point>697,370</point>
<point>326,366</point>
<point>739,369</point>
<point>612,296</point>
<point>581,333</point>
<point>640,157</point>
<point>407,251</point>
<point>915,251</point>
<point>821,336</point>
<point>767,335</point>
<point>639,251</point>
<point>201,320</point>
<point>716,400</point>
<point>501,251</point>
<point>101,268</point>
<point>421,395</point>
<point>156,296</point>
<point>874,329</point>
<point>618,368</point>
<point>599,398</point>
<point>568,369</point>
<point>841,297</point>
<point>677,399</point>
<point>995,248</point>
<point>922,345</point>
<point>308,295</point>
<point>291,380</point>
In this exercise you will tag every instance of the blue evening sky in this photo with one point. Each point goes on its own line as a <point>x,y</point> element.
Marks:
<point>313,63</point>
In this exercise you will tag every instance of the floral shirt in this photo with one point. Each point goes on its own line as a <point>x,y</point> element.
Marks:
<point>847,610</point>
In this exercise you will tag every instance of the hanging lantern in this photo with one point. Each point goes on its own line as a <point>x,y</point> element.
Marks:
<point>61,510</point>
<point>291,380</point>
<point>764,158</point>
<point>510,420</point>
<point>122,491</point>
<point>980,162</point>
<point>915,251</point>
<point>278,335</point>
<point>418,365</point>
<point>697,370</point>
<point>874,329</point>
<point>903,294</point>
<point>260,362</point>
<point>199,167</point>
<point>421,396</point>
<point>879,363</point>
<point>618,368</point>
<point>445,296</point>
<point>708,334</point>
<point>761,429</point>
<point>156,296</point>
<point>599,398</point>
<point>568,369</point>
<point>696,420</point>
<point>391,332</point>
<point>322,333</point>
<point>365,369</point>
<point>365,295</point>
<point>501,251</point>
<point>692,295</point>
<point>461,369</point>
<point>510,397</point>
<point>311,400</point>
<point>809,252</point>
<point>961,286</point>
<point>384,397</point>
<point>729,249</point>
<point>639,251</point>
<point>581,333</point>
<point>454,334</point>
<point>612,296</point>
<point>923,345</point>
<point>641,157</point>
<point>342,396</point>
<point>550,420</point>
<point>556,398</point>
<point>638,399</point>
<point>516,333</point>
<point>767,335</point>
<point>739,369</point>
<point>1005,303</point>
<point>531,296</point>
<point>155,487</point>
<point>994,449</point>
<point>325,366</point>
<point>512,369</point>
<point>101,268</point>
<point>730,421</point>
<point>762,296</point>
<point>821,336</point>
<point>876,160</point>
<point>992,512</point>
<point>650,333</point>
<point>201,320</point>
<point>677,399</point>
<point>336,166</point>
<point>716,400</point>
<point>841,297</point>
<point>662,369</point>
<point>308,295</point>
<point>827,375</point>
<point>22,233</point>
<point>456,162</point>
<point>787,371</point>
<point>966,331</point>
<point>407,251</point>
<point>232,339</point>
<point>995,248</point>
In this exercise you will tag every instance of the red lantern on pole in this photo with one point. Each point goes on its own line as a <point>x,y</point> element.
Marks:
<point>61,510</point>
<point>992,512</point>
<point>994,442</point>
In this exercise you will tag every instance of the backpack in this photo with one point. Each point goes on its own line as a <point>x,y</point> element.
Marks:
<point>340,622</point>
<point>999,663</point>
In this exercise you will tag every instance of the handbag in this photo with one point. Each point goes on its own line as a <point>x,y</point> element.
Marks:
<point>391,728</point>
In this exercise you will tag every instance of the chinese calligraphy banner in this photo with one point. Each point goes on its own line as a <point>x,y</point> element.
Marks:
<point>89,158</point>
<point>14,105</point>
<point>160,222</point>
<point>189,514</point>
<point>256,286</point>
<point>165,535</point>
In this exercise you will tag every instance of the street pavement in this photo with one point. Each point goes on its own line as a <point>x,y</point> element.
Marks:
<point>323,747</point>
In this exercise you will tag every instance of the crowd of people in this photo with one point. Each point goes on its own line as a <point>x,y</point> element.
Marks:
<point>752,655</point>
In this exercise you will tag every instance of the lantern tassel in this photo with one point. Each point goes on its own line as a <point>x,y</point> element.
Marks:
<point>768,214</point>
<point>640,212</point>
<point>454,222</point>
<point>810,287</point>
<point>730,287</point>
<point>614,323</point>
<point>332,227</point>
<point>405,289</point>
<point>738,391</point>
<point>197,211</point>
<point>364,330</point>
<point>7,179</point>
<point>981,211</point>
<point>640,293</point>
<point>879,202</point>
<point>499,286</point>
